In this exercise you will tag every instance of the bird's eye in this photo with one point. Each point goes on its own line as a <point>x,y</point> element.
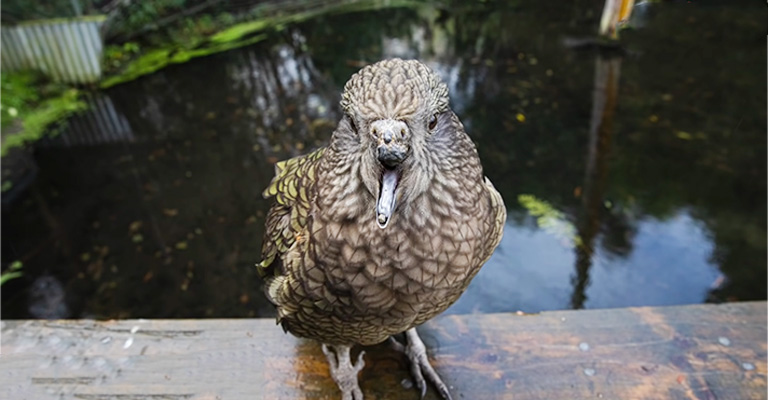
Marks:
<point>432,122</point>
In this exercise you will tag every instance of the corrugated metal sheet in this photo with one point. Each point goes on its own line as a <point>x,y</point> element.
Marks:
<point>67,50</point>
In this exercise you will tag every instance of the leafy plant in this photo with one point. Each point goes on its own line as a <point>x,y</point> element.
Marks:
<point>13,272</point>
<point>18,95</point>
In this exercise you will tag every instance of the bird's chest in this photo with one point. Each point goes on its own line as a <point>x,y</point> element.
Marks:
<point>414,255</point>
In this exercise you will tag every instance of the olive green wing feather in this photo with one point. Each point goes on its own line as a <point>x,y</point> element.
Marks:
<point>292,187</point>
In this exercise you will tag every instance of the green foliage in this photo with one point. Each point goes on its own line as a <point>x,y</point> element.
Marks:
<point>146,12</point>
<point>18,95</point>
<point>24,10</point>
<point>30,106</point>
<point>116,55</point>
<point>6,186</point>
<point>13,272</point>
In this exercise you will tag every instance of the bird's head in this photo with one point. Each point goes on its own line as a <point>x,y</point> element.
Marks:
<point>395,107</point>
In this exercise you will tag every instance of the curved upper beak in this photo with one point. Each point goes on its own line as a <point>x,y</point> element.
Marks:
<point>393,141</point>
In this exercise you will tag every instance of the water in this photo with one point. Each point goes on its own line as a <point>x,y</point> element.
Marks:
<point>149,206</point>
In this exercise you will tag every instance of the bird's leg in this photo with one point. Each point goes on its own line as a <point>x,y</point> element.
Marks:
<point>343,371</point>
<point>420,366</point>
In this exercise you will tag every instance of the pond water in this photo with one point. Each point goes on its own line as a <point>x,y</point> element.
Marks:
<point>631,178</point>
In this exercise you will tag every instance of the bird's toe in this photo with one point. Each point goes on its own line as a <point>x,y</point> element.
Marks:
<point>421,369</point>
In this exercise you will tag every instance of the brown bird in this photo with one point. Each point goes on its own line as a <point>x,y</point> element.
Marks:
<point>385,227</point>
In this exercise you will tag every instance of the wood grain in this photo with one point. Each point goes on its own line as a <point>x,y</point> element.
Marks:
<point>681,352</point>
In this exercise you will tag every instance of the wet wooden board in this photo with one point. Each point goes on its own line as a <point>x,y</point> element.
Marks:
<point>682,352</point>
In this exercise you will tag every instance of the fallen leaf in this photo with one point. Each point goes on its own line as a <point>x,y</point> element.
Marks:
<point>683,135</point>
<point>135,226</point>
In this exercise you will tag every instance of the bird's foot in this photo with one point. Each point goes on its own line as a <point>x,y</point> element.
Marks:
<point>343,372</point>
<point>420,366</point>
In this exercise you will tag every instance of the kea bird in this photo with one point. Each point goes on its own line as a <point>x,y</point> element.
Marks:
<point>382,229</point>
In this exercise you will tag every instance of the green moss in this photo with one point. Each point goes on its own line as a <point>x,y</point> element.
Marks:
<point>157,59</point>
<point>147,63</point>
<point>18,93</point>
<point>30,106</point>
<point>239,30</point>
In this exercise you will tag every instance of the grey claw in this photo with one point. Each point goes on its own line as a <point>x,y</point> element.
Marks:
<point>397,346</point>
<point>445,394</point>
<point>418,378</point>
<point>330,356</point>
<point>360,362</point>
<point>421,368</point>
<point>343,371</point>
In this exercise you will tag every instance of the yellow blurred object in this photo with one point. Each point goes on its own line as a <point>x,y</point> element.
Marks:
<point>615,12</point>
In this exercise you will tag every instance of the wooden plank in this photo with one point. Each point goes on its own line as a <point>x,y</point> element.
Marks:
<point>681,352</point>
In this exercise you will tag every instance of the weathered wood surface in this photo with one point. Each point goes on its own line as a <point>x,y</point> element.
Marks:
<point>685,352</point>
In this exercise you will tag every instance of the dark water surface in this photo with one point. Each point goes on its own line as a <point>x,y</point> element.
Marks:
<point>634,178</point>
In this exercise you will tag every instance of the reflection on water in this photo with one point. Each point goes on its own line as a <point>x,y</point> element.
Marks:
<point>669,264</point>
<point>101,123</point>
<point>149,205</point>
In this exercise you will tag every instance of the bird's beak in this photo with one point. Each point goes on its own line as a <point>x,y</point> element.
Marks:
<point>393,141</point>
<point>393,148</point>
<point>386,204</point>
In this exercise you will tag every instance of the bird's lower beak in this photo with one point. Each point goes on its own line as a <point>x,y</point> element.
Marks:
<point>386,204</point>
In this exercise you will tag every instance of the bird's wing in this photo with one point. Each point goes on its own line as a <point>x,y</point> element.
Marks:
<point>499,218</point>
<point>292,188</point>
